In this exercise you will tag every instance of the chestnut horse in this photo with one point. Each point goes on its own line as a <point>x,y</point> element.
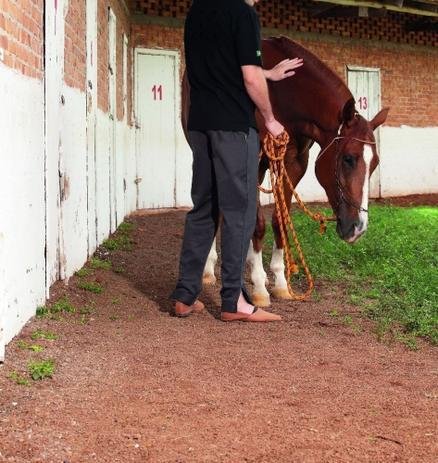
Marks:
<point>314,105</point>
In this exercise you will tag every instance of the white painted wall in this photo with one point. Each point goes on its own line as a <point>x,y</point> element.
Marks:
<point>126,168</point>
<point>409,160</point>
<point>309,188</point>
<point>22,207</point>
<point>121,159</point>
<point>102,176</point>
<point>408,165</point>
<point>54,73</point>
<point>73,180</point>
<point>130,170</point>
<point>91,90</point>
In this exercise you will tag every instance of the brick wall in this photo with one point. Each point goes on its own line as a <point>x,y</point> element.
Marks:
<point>75,62</point>
<point>21,35</point>
<point>409,75</point>
<point>75,54</point>
<point>295,16</point>
<point>122,27</point>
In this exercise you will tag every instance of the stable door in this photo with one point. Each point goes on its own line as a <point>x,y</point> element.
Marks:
<point>364,84</point>
<point>155,117</point>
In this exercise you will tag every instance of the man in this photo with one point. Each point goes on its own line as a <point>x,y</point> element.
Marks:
<point>227,83</point>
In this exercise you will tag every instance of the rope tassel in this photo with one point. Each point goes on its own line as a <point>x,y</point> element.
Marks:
<point>275,149</point>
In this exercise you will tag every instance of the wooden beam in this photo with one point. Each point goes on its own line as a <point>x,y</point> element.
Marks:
<point>432,12</point>
<point>422,25</point>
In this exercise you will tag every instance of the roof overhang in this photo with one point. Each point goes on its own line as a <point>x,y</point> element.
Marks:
<point>421,8</point>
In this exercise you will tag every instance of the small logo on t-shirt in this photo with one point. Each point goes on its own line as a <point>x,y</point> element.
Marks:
<point>259,53</point>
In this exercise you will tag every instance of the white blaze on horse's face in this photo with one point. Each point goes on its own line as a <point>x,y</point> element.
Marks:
<point>362,226</point>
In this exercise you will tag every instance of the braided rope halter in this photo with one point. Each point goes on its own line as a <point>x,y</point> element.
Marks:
<point>342,192</point>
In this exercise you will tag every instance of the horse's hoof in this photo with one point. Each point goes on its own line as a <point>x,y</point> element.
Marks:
<point>208,280</point>
<point>260,300</point>
<point>281,293</point>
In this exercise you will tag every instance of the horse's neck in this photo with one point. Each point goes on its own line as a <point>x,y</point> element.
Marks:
<point>314,94</point>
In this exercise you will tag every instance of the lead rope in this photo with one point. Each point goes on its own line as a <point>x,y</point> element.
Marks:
<point>275,149</point>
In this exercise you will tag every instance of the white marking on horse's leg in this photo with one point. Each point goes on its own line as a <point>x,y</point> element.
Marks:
<point>260,295</point>
<point>277,267</point>
<point>208,278</point>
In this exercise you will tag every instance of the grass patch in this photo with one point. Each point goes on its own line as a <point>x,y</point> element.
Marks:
<point>91,286</point>
<point>41,369</point>
<point>42,311</point>
<point>118,243</point>
<point>18,378</point>
<point>125,228</point>
<point>61,306</point>
<point>121,240</point>
<point>33,347</point>
<point>97,264</point>
<point>391,273</point>
<point>41,334</point>
<point>84,272</point>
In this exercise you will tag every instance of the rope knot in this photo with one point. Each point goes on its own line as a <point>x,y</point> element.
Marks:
<point>275,147</point>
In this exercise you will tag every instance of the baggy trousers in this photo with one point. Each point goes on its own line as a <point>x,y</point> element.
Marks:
<point>225,172</point>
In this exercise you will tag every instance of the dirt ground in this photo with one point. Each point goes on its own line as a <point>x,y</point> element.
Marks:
<point>134,384</point>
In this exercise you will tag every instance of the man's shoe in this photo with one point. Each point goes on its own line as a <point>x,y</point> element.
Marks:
<point>184,310</point>
<point>259,315</point>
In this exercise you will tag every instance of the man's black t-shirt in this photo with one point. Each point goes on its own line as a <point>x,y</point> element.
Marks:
<point>220,37</point>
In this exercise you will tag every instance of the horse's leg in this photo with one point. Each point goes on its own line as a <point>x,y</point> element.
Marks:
<point>260,295</point>
<point>208,277</point>
<point>296,165</point>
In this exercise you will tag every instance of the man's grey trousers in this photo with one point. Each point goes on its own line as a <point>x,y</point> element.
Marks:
<point>225,166</point>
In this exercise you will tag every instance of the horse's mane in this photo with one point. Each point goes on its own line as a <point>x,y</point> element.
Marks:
<point>317,75</point>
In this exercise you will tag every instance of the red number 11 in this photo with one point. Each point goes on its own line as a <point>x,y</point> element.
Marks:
<point>157,90</point>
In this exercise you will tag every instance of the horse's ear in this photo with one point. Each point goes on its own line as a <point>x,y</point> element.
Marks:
<point>379,118</point>
<point>348,112</point>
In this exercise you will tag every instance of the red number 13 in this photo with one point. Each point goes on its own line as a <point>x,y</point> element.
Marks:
<point>157,90</point>
<point>363,102</point>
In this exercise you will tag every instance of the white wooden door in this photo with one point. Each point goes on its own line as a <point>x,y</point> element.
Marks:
<point>112,69</point>
<point>364,84</point>
<point>91,122</point>
<point>156,87</point>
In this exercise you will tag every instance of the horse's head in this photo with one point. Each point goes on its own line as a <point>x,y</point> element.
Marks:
<point>344,167</point>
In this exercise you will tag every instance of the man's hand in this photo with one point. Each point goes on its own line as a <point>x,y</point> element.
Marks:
<point>283,69</point>
<point>274,127</point>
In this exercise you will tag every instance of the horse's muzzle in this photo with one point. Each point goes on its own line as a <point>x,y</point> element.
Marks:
<point>351,230</point>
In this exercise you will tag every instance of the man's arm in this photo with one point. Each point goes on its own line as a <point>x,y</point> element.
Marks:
<point>257,88</point>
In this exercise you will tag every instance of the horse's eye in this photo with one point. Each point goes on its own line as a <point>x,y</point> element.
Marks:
<point>349,160</point>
